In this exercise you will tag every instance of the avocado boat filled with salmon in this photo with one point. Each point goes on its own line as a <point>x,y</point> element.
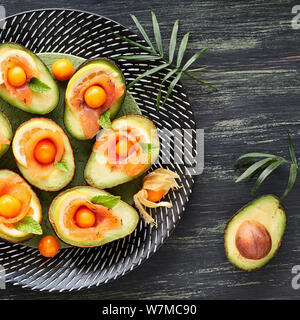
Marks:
<point>96,87</point>
<point>19,206</point>
<point>122,153</point>
<point>25,81</point>
<point>5,134</point>
<point>44,154</point>
<point>90,217</point>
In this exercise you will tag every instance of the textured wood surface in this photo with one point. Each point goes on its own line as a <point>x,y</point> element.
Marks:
<point>254,60</point>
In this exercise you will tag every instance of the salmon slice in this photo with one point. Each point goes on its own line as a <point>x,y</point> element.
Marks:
<point>30,140</point>
<point>15,187</point>
<point>133,164</point>
<point>89,117</point>
<point>105,220</point>
<point>23,93</point>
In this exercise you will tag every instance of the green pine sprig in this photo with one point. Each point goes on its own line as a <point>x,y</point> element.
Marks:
<point>267,164</point>
<point>153,52</point>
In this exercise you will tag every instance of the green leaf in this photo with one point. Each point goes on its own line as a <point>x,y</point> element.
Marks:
<point>138,57</point>
<point>108,201</point>
<point>182,48</point>
<point>291,149</point>
<point>62,165</point>
<point>205,83</point>
<point>193,59</point>
<point>38,86</point>
<point>242,163</point>
<point>28,224</point>
<point>104,120</point>
<point>171,87</point>
<point>132,43</point>
<point>167,76</point>
<point>252,169</point>
<point>157,34</point>
<point>197,69</point>
<point>292,179</point>
<point>147,73</point>
<point>148,147</point>
<point>258,155</point>
<point>143,32</point>
<point>173,41</point>
<point>272,167</point>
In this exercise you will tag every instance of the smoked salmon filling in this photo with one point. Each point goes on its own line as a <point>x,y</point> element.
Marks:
<point>28,144</point>
<point>14,187</point>
<point>22,92</point>
<point>89,116</point>
<point>123,151</point>
<point>104,220</point>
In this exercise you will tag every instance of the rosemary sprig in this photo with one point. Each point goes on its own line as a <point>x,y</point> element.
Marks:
<point>155,52</point>
<point>266,166</point>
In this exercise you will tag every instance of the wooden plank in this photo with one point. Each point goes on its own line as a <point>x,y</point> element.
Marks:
<point>254,60</point>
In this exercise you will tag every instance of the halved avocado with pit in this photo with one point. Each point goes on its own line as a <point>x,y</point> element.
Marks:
<point>42,102</point>
<point>10,233</point>
<point>5,134</point>
<point>60,176</point>
<point>254,233</point>
<point>100,174</point>
<point>62,217</point>
<point>72,117</point>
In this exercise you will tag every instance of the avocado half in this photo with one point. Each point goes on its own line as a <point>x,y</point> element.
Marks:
<point>254,233</point>
<point>71,117</point>
<point>12,234</point>
<point>98,174</point>
<point>5,132</point>
<point>128,215</point>
<point>42,103</point>
<point>59,178</point>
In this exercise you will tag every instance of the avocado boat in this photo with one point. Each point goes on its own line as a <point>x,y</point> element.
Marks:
<point>254,233</point>
<point>44,154</point>
<point>108,224</point>
<point>18,67</point>
<point>98,85</point>
<point>16,194</point>
<point>5,134</point>
<point>122,153</point>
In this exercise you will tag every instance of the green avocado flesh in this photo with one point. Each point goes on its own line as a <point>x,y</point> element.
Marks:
<point>42,103</point>
<point>71,118</point>
<point>11,234</point>
<point>58,179</point>
<point>5,132</point>
<point>98,174</point>
<point>61,204</point>
<point>268,212</point>
<point>82,149</point>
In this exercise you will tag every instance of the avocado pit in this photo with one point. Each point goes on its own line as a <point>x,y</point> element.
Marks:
<point>253,240</point>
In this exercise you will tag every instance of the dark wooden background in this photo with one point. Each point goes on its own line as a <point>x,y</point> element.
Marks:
<point>254,60</point>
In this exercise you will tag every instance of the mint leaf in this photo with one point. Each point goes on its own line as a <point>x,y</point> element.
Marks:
<point>108,201</point>
<point>62,165</point>
<point>147,147</point>
<point>38,86</point>
<point>28,224</point>
<point>104,120</point>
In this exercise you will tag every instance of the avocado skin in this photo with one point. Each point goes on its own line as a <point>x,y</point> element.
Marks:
<point>9,99</point>
<point>280,206</point>
<point>120,102</point>
<point>78,244</point>
<point>3,116</point>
